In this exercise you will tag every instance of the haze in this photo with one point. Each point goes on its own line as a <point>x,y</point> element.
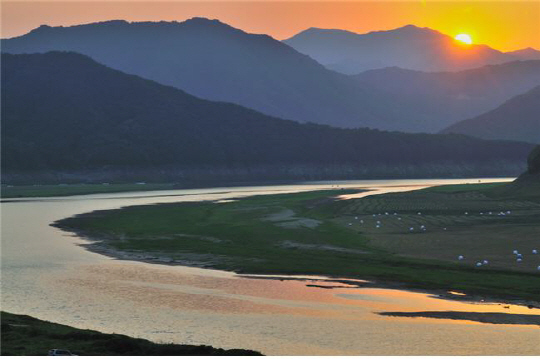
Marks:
<point>487,22</point>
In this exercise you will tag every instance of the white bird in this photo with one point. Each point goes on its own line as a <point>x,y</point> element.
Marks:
<point>460,258</point>
<point>355,217</point>
<point>395,214</point>
<point>515,251</point>
<point>350,224</point>
<point>538,268</point>
<point>444,229</point>
<point>386,213</point>
<point>535,251</point>
<point>419,213</point>
<point>399,219</point>
<point>485,261</point>
<point>411,229</point>
<point>508,212</point>
<point>519,259</point>
<point>466,213</point>
<point>378,222</point>
<point>490,213</point>
<point>378,226</point>
<point>479,264</point>
<point>481,213</point>
<point>361,221</point>
<point>520,255</point>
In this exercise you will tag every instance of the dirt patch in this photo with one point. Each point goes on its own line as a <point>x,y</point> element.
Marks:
<point>286,219</point>
<point>491,318</point>
<point>291,244</point>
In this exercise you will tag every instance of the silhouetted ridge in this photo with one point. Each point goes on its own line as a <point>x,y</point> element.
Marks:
<point>215,61</point>
<point>410,47</point>
<point>449,97</point>
<point>516,119</point>
<point>64,111</point>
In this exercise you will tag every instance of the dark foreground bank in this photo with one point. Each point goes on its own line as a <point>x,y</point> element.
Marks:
<point>24,335</point>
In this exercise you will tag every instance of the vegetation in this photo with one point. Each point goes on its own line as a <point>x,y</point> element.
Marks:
<point>24,335</point>
<point>84,116</point>
<point>312,233</point>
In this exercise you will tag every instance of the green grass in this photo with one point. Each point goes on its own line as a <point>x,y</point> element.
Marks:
<point>79,189</point>
<point>24,335</point>
<point>483,187</point>
<point>244,237</point>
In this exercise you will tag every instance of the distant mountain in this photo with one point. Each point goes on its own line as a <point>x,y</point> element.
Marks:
<point>212,60</point>
<point>408,47</point>
<point>447,97</point>
<point>525,54</point>
<point>65,112</point>
<point>516,119</point>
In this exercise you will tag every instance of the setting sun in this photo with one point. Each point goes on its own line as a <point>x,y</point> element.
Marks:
<point>464,38</point>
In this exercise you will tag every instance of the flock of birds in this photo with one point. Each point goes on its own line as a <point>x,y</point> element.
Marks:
<point>519,256</point>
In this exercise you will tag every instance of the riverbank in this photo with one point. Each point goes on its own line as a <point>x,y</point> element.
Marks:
<point>307,233</point>
<point>78,189</point>
<point>490,318</point>
<point>24,335</point>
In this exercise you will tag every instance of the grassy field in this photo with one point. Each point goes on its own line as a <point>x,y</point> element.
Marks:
<point>474,221</point>
<point>313,233</point>
<point>79,189</point>
<point>24,335</point>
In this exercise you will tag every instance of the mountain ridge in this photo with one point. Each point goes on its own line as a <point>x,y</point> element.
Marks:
<point>215,61</point>
<point>515,119</point>
<point>65,112</point>
<point>409,47</point>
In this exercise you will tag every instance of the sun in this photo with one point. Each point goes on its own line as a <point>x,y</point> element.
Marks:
<point>464,38</point>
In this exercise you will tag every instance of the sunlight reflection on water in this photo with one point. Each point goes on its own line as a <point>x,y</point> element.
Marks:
<point>45,274</point>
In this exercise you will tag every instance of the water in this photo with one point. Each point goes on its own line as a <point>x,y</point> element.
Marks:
<point>47,275</point>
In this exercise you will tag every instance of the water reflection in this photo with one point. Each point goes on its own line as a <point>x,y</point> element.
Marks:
<point>45,274</point>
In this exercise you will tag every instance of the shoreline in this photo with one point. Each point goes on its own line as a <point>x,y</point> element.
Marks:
<point>26,335</point>
<point>479,317</point>
<point>96,245</point>
<point>68,190</point>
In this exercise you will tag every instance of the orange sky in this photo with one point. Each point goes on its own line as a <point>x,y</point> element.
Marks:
<point>504,25</point>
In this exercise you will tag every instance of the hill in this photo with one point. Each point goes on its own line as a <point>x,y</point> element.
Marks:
<point>525,54</point>
<point>516,119</point>
<point>66,112</point>
<point>215,61</point>
<point>408,47</point>
<point>25,335</point>
<point>448,97</point>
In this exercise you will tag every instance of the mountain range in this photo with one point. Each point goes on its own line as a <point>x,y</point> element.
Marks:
<point>516,119</point>
<point>63,111</point>
<point>215,61</point>
<point>449,97</point>
<point>409,47</point>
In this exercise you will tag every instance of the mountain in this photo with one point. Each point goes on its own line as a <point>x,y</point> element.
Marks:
<point>525,54</point>
<point>447,97</point>
<point>516,119</point>
<point>212,60</point>
<point>65,112</point>
<point>408,47</point>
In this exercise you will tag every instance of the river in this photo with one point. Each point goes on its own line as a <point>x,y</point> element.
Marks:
<point>46,274</point>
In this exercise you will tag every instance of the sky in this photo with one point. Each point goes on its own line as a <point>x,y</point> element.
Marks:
<point>504,25</point>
